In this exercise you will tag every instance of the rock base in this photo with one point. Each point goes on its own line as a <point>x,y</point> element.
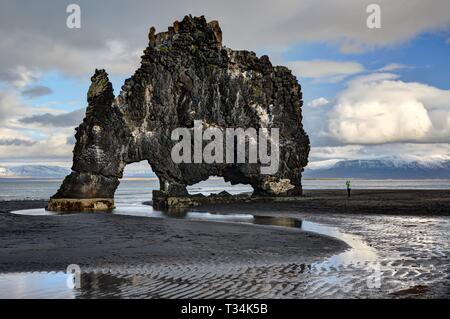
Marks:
<point>80,205</point>
<point>166,202</point>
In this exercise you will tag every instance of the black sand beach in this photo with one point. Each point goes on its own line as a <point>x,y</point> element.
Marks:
<point>50,243</point>
<point>185,258</point>
<point>367,201</point>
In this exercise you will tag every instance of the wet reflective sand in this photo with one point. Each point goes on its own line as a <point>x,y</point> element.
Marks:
<point>390,257</point>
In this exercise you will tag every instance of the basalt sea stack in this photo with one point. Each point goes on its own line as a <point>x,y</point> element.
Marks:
<point>186,74</point>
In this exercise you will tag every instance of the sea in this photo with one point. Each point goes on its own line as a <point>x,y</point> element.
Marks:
<point>138,190</point>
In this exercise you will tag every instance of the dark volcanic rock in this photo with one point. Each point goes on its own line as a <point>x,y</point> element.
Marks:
<point>185,75</point>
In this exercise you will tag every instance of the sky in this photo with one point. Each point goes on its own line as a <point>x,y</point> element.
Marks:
<point>368,92</point>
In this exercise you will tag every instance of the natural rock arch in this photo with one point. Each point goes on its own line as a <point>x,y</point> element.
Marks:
<point>185,75</point>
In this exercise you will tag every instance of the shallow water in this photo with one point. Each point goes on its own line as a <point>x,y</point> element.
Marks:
<point>37,285</point>
<point>388,253</point>
<point>54,285</point>
<point>140,190</point>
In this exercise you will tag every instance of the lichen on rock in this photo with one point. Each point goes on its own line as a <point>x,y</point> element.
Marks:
<point>186,74</point>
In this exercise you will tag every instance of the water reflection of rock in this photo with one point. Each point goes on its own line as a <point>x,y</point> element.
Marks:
<point>175,212</point>
<point>98,285</point>
<point>278,221</point>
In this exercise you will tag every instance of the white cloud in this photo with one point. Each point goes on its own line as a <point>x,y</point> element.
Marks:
<point>113,55</point>
<point>393,67</point>
<point>16,141</point>
<point>35,39</point>
<point>318,102</point>
<point>380,108</point>
<point>11,134</point>
<point>34,141</point>
<point>335,152</point>
<point>406,151</point>
<point>325,70</point>
<point>54,146</point>
<point>18,76</point>
<point>34,33</point>
<point>34,136</point>
<point>10,106</point>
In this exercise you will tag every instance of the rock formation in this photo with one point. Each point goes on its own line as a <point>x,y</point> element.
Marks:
<point>186,74</point>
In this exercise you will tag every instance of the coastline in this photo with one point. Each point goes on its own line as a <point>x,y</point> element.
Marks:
<point>215,259</point>
<point>104,240</point>
<point>362,201</point>
<point>41,243</point>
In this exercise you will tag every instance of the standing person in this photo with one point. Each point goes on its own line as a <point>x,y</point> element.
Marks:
<point>348,184</point>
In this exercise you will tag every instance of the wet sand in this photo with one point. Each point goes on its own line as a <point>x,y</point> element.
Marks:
<point>408,229</point>
<point>103,240</point>
<point>173,258</point>
<point>378,201</point>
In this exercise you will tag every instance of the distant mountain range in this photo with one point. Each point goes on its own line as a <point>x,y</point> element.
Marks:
<point>34,171</point>
<point>382,169</point>
<point>48,171</point>
<point>368,169</point>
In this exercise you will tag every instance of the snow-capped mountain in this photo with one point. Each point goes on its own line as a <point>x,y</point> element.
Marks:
<point>381,168</point>
<point>48,171</point>
<point>369,169</point>
<point>141,173</point>
<point>34,171</point>
<point>3,171</point>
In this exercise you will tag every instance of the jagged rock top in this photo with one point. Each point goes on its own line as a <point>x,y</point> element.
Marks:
<point>212,34</point>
